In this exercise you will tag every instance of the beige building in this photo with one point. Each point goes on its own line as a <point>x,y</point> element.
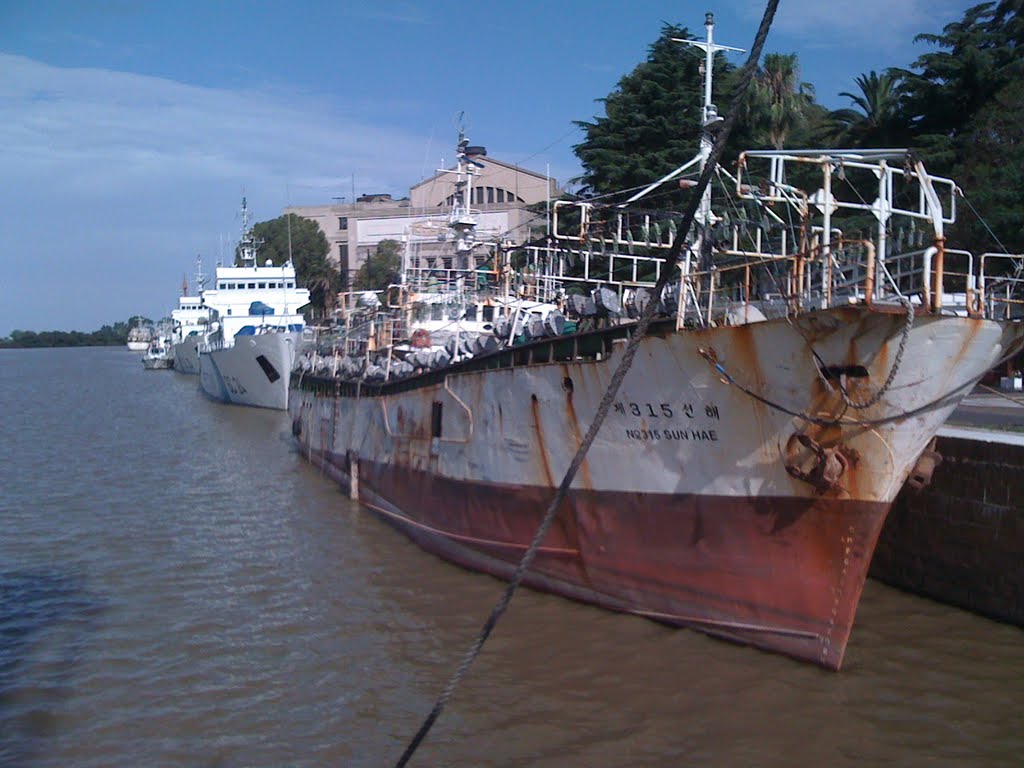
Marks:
<point>500,195</point>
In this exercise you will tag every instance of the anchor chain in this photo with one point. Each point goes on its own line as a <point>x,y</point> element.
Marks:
<point>895,365</point>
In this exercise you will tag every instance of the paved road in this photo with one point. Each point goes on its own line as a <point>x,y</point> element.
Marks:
<point>986,408</point>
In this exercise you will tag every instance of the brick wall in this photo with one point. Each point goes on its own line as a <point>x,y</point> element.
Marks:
<point>961,540</point>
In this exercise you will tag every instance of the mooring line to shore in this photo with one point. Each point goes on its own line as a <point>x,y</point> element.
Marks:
<point>609,396</point>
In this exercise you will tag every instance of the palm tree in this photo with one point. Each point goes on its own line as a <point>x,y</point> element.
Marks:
<point>877,120</point>
<point>778,102</point>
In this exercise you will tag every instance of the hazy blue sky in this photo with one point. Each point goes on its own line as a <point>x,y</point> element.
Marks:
<point>130,130</point>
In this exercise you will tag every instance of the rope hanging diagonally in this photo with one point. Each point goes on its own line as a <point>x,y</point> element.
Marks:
<point>613,387</point>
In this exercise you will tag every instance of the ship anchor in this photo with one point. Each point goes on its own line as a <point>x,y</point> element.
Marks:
<point>828,467</point>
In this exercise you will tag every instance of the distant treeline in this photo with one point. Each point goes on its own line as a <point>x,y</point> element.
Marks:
<point>107,336</point>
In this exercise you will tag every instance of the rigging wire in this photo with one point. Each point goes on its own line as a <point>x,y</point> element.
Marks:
<point>613,387</point>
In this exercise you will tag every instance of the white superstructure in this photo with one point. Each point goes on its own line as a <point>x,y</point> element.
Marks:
<point>191,321</point>
<point>255,325</point>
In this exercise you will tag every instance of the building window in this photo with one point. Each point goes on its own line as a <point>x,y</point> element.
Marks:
<point>343,222</point>
<point>490,194</point>
<point>501,195</point>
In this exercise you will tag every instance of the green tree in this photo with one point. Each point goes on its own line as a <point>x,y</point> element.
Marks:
<point>778,104</point>
<point>978,57</point>
<point>991,174</point>
<point>877,119</point>
<point>382,268</point>
<point>965,107</point>
<point>104,337</point>
<point>652,119</point>
<point>308,248</point>
<point>651,123</point>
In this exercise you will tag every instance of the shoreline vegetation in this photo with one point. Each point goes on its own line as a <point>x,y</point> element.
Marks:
<point>107,336</point>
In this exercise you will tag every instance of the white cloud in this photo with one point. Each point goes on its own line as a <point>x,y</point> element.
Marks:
<point>113,181</point>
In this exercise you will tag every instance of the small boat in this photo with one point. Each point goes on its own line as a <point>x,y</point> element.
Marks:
<point>159,355</point>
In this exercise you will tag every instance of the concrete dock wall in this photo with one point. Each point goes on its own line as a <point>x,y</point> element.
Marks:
<point>961,540</point>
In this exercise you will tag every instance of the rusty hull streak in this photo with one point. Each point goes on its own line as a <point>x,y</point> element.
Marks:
<point>574,424</point>
<point>746,347</point>
<point>542,449</point>
<point>974,326</point>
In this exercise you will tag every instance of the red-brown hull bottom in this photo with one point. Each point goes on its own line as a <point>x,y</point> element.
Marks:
<point>782,574</point>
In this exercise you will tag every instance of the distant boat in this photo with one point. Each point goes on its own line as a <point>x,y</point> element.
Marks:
<point>191,321</point>
<point>249,348</point>
<point>139,338</point>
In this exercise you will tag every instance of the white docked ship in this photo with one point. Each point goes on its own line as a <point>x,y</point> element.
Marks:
<point>139,337</point>
<point>254,328</point>
<point>191,321</point>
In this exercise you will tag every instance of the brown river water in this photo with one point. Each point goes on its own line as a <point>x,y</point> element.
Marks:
<point>178,587</point>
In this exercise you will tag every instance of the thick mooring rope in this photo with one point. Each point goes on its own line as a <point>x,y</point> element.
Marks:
<point>609,396</point>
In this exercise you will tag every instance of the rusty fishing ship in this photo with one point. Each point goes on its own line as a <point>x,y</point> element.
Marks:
<point>794,380</point>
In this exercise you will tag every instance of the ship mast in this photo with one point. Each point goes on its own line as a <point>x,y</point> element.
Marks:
<point>200,280</point>
<point>462,222</point>
<point>711,122</point>
<point>246,244</point>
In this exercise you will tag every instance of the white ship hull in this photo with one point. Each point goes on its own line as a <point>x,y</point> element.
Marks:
<point>186,356</point>
<point>253,371</point>
<point>138,346</point>
<point>697,504</point>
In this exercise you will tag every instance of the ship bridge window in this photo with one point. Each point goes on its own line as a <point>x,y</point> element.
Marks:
<point>252,285</point>
<point>471,313</point>
<point>436,311</point>
<point>488,313</point>
<point>263,285</point>
<point>290,284</point>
